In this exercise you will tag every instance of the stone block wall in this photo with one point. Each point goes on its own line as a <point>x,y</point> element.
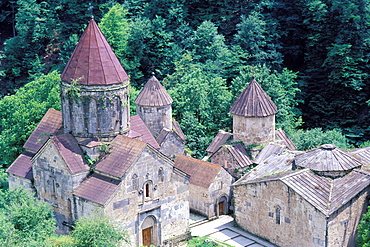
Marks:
<point>54,184</point>
<point>99,111</point>
<point>342,225</point>
<point>156,118</point>
<point>172,145</point>
<point>16,181</point>
<point>253,130</point>
<point>223,157</point>
<point>167,204</point>
<point>283,216</point>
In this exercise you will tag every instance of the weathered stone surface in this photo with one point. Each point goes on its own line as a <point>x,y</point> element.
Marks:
<point>254,130</point>
<point>98,111</point>
<point>156,118</point>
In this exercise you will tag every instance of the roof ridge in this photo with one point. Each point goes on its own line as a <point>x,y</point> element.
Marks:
<point>330,197</point>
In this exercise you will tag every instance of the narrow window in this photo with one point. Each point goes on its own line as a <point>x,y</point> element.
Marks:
<point>278,216</point>
<point>147,190</point>
<point>135,182</point>
<point>160,174</point>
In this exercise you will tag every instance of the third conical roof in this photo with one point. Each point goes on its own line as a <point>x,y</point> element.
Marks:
<point>93,61</point>
<point>253,102</point>
<point>153,94</point>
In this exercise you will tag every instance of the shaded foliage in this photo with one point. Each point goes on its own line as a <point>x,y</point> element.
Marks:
<point>363,237</point>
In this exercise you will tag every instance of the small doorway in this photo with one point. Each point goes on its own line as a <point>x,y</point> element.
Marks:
<point>147,236</point>
<point>221,206</point>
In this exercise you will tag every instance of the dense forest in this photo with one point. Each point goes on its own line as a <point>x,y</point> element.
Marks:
<point>310,56</point>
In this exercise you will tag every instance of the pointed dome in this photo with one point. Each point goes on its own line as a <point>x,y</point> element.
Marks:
<point>327,158</point>
<point>153,94</point>
<point>253,102</point>
<point>93,60</point>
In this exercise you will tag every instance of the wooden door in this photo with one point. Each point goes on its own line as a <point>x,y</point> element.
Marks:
<point>221,208</point>
<point>147,236</point>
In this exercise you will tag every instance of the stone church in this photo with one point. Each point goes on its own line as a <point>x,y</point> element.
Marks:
<point>94,158</point>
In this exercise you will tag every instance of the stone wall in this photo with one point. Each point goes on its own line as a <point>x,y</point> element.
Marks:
<point>54,184</point>
<point>167,204</point>
<point>342,225</point>
<point>99,111</point>
<point>205,201</point>
<point>223,157</point>
<point>283,216</point>
<point>253,130</point>
<point>172,145</point>
<point>156,118</point>
<point>16,181</point>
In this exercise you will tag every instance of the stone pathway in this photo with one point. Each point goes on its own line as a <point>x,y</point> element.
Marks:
<point>223,230</point>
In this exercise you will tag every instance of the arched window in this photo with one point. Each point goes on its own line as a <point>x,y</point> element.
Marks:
<point>147,190</point>
<point>161,174</point>
<point>278,216</point>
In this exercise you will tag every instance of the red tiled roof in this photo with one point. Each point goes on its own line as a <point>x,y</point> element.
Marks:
<point>22,166</point>
<point>153,94</point>
<point>94,61</point>
<point>49,124</point>
<point>327,158</point>
<point>97,188</point>
<point>253,102</point>
<point>220,139</point>
<point>121,154</point>
<point>71,152</point>
<point>201,173</point>
<point>138,125</point>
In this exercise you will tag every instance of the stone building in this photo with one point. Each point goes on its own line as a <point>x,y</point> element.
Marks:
<point>314,199</point>
<point>209,186</point>
<point>253,134</point>
<point>132,180</point>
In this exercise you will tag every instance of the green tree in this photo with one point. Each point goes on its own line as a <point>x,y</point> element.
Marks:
<point>363,237</point>
<point>25,221</point>
<point>20,113</point>
<point>98,231</point>
<point>282,87</point>
<point>116,28</point>
<point>202,103</point>
<point>313,138</point>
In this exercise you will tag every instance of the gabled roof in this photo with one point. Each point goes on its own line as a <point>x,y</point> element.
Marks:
<point>362,154</point>
<point>325,194</point>
<point>177,129</point>
<point>238,152</point>
<point>138,125</point>
<point>267,151</point>
<point>153,94</point>
<point>93,61</point>
<point>281,135</point>
<point>122,153</point>
<point>97,188</point>
<point>274,165</point>
<point>22,166</point>
<point>220,139</point>
<point>253,102</point>
<point>49,124</point>
<point>71,152</point>
<point>328,158</point>
<point>201,173</point>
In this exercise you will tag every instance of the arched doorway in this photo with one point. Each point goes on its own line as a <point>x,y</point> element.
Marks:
<point>222,206</point>
<point>149,231</point>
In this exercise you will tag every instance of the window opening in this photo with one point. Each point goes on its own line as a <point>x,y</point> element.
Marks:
<point>278,216</point>
<point>147,190</point>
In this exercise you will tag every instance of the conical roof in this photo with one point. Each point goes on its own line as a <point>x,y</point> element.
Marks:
<point>327,158</point>
<point>93,60</point>
<point>153,94</point>
<point>253,102</point>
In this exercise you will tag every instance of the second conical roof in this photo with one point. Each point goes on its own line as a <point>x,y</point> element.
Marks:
<point>153,94</point>
<point>253,102</point>
<point>93,61</point>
